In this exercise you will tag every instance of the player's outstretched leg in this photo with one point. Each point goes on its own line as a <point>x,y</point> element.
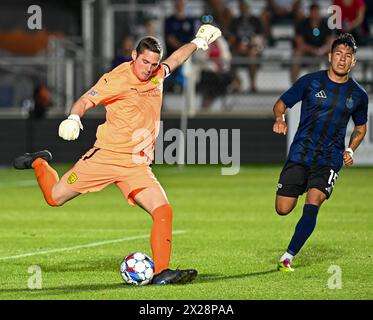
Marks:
<point>47,177</point>
<point>25,161</point>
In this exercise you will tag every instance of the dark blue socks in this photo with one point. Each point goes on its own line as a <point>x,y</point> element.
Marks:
<point>304,228</point>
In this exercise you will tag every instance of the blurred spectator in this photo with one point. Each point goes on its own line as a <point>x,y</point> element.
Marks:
<point>313,39</point>
<point>247,39</point>
<point>179,30</point>
<point>353,14</point>
<point>216,76</point>
<point>222,15</point>
<point>151,28</point>
<point>278,10</point>
<point>41,102</point>
<point>226,21</point>
<point>126,50</point>
<point>368,18</point>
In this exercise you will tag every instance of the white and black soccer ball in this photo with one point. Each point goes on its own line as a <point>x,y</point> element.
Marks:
<point>137,269</point>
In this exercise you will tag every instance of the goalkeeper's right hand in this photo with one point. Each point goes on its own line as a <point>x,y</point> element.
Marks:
<point>69,129</point>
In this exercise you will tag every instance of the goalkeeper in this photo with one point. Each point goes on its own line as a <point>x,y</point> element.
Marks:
<point>124,149</point>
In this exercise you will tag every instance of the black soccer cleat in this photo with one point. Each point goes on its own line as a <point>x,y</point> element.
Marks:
<point>25,161</point>
<point>168,276</point>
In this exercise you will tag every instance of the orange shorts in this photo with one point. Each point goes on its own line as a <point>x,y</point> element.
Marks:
<point>98,168</point>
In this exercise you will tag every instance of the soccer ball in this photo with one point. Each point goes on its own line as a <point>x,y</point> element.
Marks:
<point>137,269</point>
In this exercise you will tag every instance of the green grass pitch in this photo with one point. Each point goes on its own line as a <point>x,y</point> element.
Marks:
<point>225,227</point>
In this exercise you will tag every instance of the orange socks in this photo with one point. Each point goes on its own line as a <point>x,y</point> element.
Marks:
<point>47,177</point>
<point>161,237</point>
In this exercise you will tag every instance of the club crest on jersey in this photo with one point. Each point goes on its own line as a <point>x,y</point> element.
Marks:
<point>155,81</point>
<point>72,178</point>
<point>349,103</point>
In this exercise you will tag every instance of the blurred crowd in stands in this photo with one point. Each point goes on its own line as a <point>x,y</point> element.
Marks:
<point>247,33</point>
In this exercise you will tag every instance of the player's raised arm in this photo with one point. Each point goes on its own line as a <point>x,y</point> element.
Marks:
<point>356,137</point>
<point>206,34</point>
<point>69,129</point>
<point>280,125</point>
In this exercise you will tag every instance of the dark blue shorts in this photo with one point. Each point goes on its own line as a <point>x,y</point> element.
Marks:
<point>296,178</point>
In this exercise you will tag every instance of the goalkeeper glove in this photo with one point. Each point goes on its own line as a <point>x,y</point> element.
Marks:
<point>206,34</point>
<point>69,129</point>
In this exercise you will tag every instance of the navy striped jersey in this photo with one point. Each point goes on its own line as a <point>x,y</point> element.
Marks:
<point>325,111</point>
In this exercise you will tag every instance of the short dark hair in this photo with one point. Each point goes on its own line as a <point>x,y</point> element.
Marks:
<point>151,44</point>
<point>346,39</point>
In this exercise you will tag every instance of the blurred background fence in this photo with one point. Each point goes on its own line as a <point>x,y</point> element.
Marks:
<point>42,72</point>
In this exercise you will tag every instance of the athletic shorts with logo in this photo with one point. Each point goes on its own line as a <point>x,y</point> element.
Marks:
<point>296,178</point>
<point>99,168</point>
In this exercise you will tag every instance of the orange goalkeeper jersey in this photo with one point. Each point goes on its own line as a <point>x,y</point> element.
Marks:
<point>133,110</point>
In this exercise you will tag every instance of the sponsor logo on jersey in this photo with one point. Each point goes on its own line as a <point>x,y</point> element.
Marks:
<point>155,80</point>
<point>156,92</point>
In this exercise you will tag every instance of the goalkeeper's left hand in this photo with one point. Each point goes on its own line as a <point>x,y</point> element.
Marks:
<point>206,34</point>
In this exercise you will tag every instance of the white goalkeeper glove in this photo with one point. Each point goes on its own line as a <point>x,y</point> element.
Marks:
<point>69,129</point>
<point>206,34</point>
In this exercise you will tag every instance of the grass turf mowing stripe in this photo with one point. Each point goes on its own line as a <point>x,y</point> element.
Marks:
<point>89,245</point>
<point>21,183</point>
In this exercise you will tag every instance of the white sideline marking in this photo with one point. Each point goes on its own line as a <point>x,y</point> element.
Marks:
<point>89,245</point>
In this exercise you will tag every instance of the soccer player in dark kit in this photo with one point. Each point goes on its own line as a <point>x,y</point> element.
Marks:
<point>317,153</point>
